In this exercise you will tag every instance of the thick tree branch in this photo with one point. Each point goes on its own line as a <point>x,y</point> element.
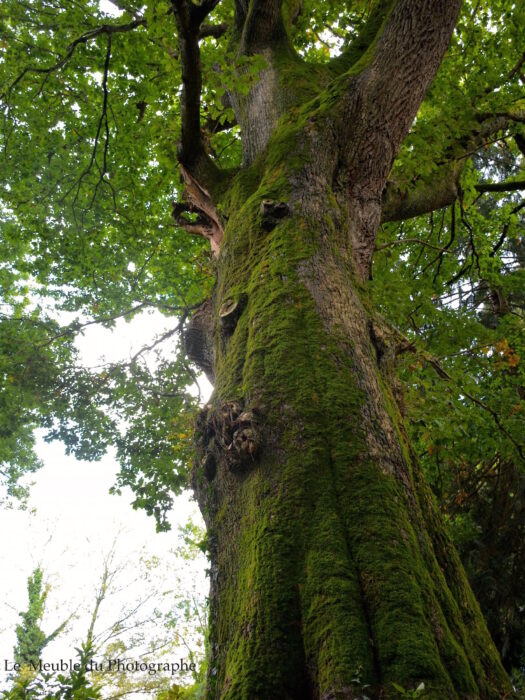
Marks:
<point>507,186</point>
<point>214,125</point>
<point>260,29</point>
<point>425,197</point>
<point>517,115</point>
<point>191,147</point>
<point>197,169</point>
<point>439,192</point>
<point>365,38</point>
<point>406,58</point>
<point>441,189</point>
<point>261,22</point>
<point>192,154</point>
<point>213,30</point>
<point>380,104</point>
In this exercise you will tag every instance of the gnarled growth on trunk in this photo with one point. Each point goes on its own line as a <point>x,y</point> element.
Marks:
<point>329,559</point>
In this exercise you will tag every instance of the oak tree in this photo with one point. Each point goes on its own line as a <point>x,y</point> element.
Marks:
<point>280,135</point>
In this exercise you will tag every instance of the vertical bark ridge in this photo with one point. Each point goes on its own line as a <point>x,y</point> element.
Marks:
<point>376,506</point>
<point>376,675</point>
<point>459,644</point>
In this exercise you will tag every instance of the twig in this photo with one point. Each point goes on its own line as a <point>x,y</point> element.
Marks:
<point>108,29</point>
<point>505,230</point>
<point>403,241</point>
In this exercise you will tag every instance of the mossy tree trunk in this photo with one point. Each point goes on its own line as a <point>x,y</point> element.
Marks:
<point>329,559</point>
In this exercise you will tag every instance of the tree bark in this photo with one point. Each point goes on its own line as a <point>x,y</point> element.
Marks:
<point>331,567</point>
<point>329,559</point>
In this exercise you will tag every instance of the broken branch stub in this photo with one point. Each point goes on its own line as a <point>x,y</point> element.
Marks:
<point>229,314</point>
<point>197,200</point>
<point>272,212</point>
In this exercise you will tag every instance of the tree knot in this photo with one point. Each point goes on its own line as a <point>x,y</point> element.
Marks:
<point>227,434</point>
<point>272,212</point>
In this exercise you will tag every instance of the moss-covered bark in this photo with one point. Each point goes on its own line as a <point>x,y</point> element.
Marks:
<point>331,568</point>
<point>330,561</point>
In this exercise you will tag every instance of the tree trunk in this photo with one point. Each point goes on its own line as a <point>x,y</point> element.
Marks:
<point>329,559</point>
<point>331,567</point>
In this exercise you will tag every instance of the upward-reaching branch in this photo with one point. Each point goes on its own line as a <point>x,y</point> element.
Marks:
<point>260,29</point>
<point>197,169</point>
<point>363,41</point>
<point>189,18</point>
<point>382,101</point>
<point>406,59</point>
<point>263,24</point>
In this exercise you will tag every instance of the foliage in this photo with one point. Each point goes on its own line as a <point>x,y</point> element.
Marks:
<point>30,639</point>
<point>404,693</point>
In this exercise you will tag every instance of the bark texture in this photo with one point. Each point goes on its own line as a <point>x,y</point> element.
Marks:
<point>331,568</point>
<point>330,561</point>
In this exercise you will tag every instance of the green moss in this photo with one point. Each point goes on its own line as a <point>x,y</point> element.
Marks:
<point>326,563</point>
<point>360,53</point>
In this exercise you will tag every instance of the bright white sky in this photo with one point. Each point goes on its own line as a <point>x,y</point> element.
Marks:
<point>72,520</point>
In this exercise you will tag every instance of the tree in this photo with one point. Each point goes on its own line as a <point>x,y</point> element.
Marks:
<point>30,643</point>
<point>330,561</point>
<point>161,625</point>
<point>30,639</point>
